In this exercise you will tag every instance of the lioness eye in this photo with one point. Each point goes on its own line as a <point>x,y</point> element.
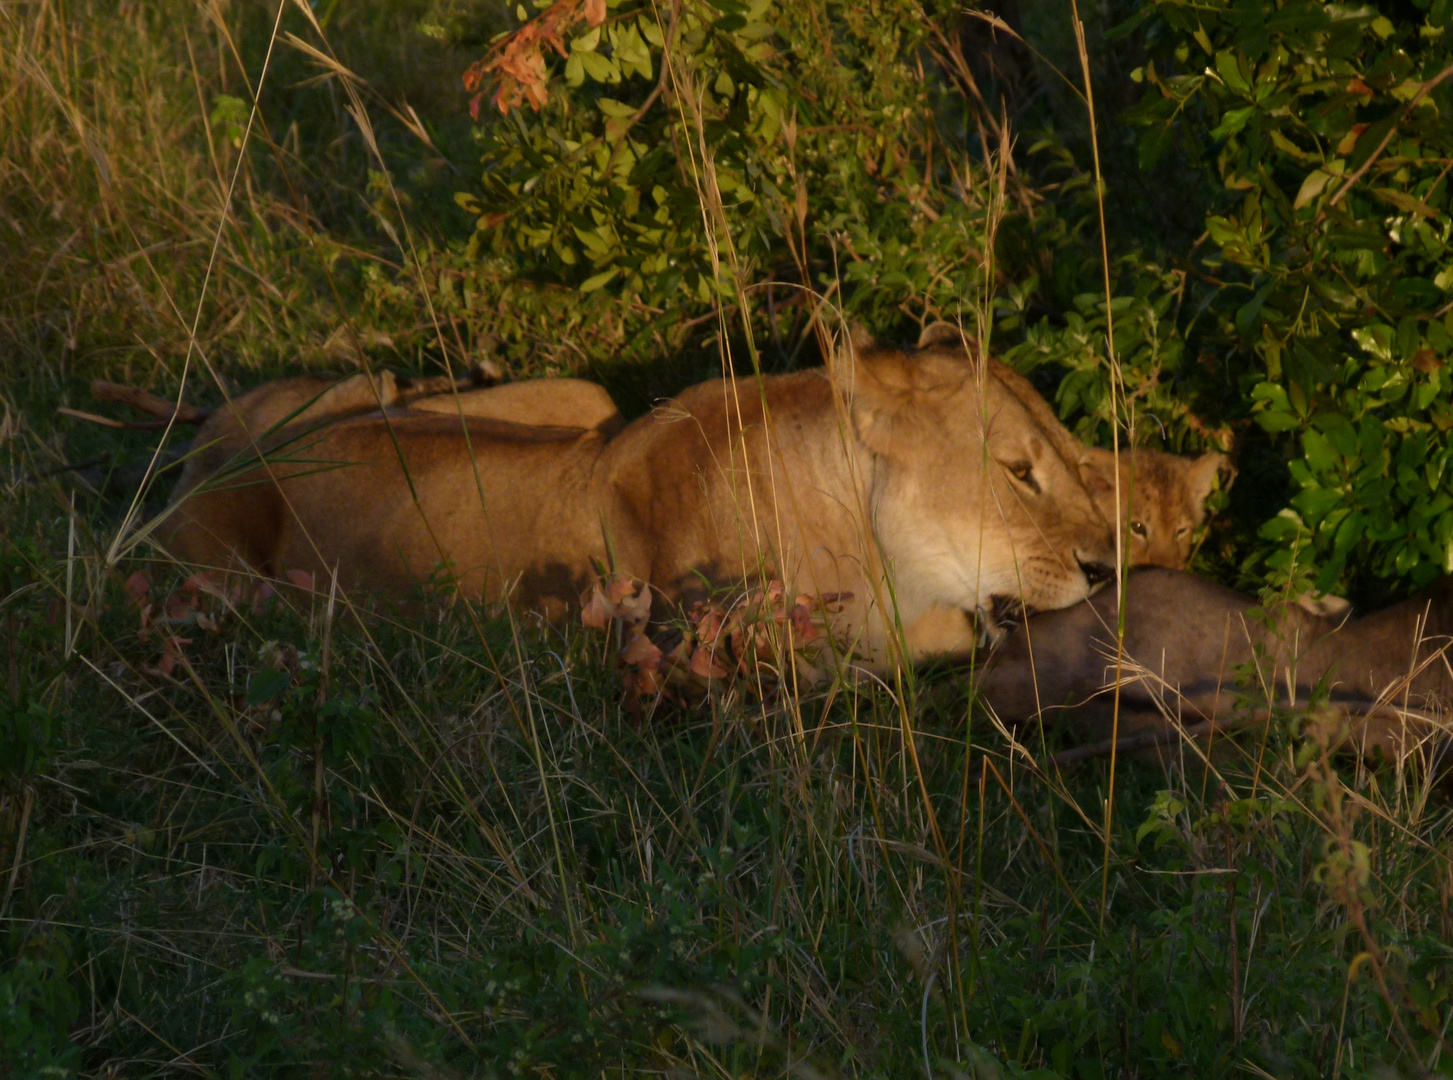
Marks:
<point>1138,528</point>
<point>1023,472</point>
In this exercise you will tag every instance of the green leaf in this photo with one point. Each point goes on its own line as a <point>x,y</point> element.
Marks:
<point>618,109</point>
<point>598,67</point>
<point>651,31</point>
<point>599,281</point>
<point>1370,140</point>
<point>1130,25</point>
<point>1277,421</point>
<point>1317,449</point>
<point>1229,68</point>
<point>1232,121</point>
<point>1246,315</point>
<point>1403,201</point>
<point>1311,187</point>
<point>263,686</point>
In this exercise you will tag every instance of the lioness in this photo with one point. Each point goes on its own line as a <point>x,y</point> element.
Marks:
<point>1162,499</point>
<point>903,478</point>
<point>1186,640</point>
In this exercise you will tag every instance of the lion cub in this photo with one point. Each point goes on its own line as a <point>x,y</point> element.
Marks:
<point>1162,499</point>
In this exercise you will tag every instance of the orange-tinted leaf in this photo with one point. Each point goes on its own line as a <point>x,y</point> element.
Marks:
<point>179,608</point>
<point>171,653</point>
<point>593,612</point>
<point>708,627</point>
<point>642,652</point>
<point>138,585</point>
<point>704,663</point>
<point>803,627</point>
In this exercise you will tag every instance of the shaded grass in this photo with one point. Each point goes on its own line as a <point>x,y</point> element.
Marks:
<point>506,869</point>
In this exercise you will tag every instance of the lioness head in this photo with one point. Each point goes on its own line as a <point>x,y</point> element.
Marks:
<point>1163,500</point>
<point>979,494</point>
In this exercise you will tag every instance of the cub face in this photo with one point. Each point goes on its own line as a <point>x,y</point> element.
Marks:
<point>1162,500</point>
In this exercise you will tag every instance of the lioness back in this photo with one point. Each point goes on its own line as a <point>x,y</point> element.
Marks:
<point>553,402</point>
<point>390,502</point>
<point>237,427</point>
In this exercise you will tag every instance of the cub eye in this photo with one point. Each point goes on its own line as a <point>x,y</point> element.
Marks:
<point>1138,528</point>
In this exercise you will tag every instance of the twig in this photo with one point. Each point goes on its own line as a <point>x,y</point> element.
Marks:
<point>1139,741</point>
<point>1423,91</point>
<point>106,421</point>
<point>59,470</point>
<point>651,97</point>
<point>150,404</point>
<point>19,856</point>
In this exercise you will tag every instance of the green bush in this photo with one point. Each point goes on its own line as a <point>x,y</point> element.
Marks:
<point>823,145</point>
<point>1318,302</point>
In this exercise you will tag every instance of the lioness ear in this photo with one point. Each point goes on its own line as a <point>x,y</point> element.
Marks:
<point>946,335</point>
<point>851,345</point>
<point>878,384</point>
<point>853,339</point>
<point>1205,473</point>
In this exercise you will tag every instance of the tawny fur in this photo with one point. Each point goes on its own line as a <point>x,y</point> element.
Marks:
<point>236,430</point>
<point>907,479</point>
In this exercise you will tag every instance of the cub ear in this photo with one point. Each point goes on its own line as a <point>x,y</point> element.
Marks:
<point>946,335</point>
<point>1097,470</point>
<point>1205,473</point>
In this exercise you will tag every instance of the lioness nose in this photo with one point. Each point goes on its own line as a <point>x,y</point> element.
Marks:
<point>1095,572</point>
